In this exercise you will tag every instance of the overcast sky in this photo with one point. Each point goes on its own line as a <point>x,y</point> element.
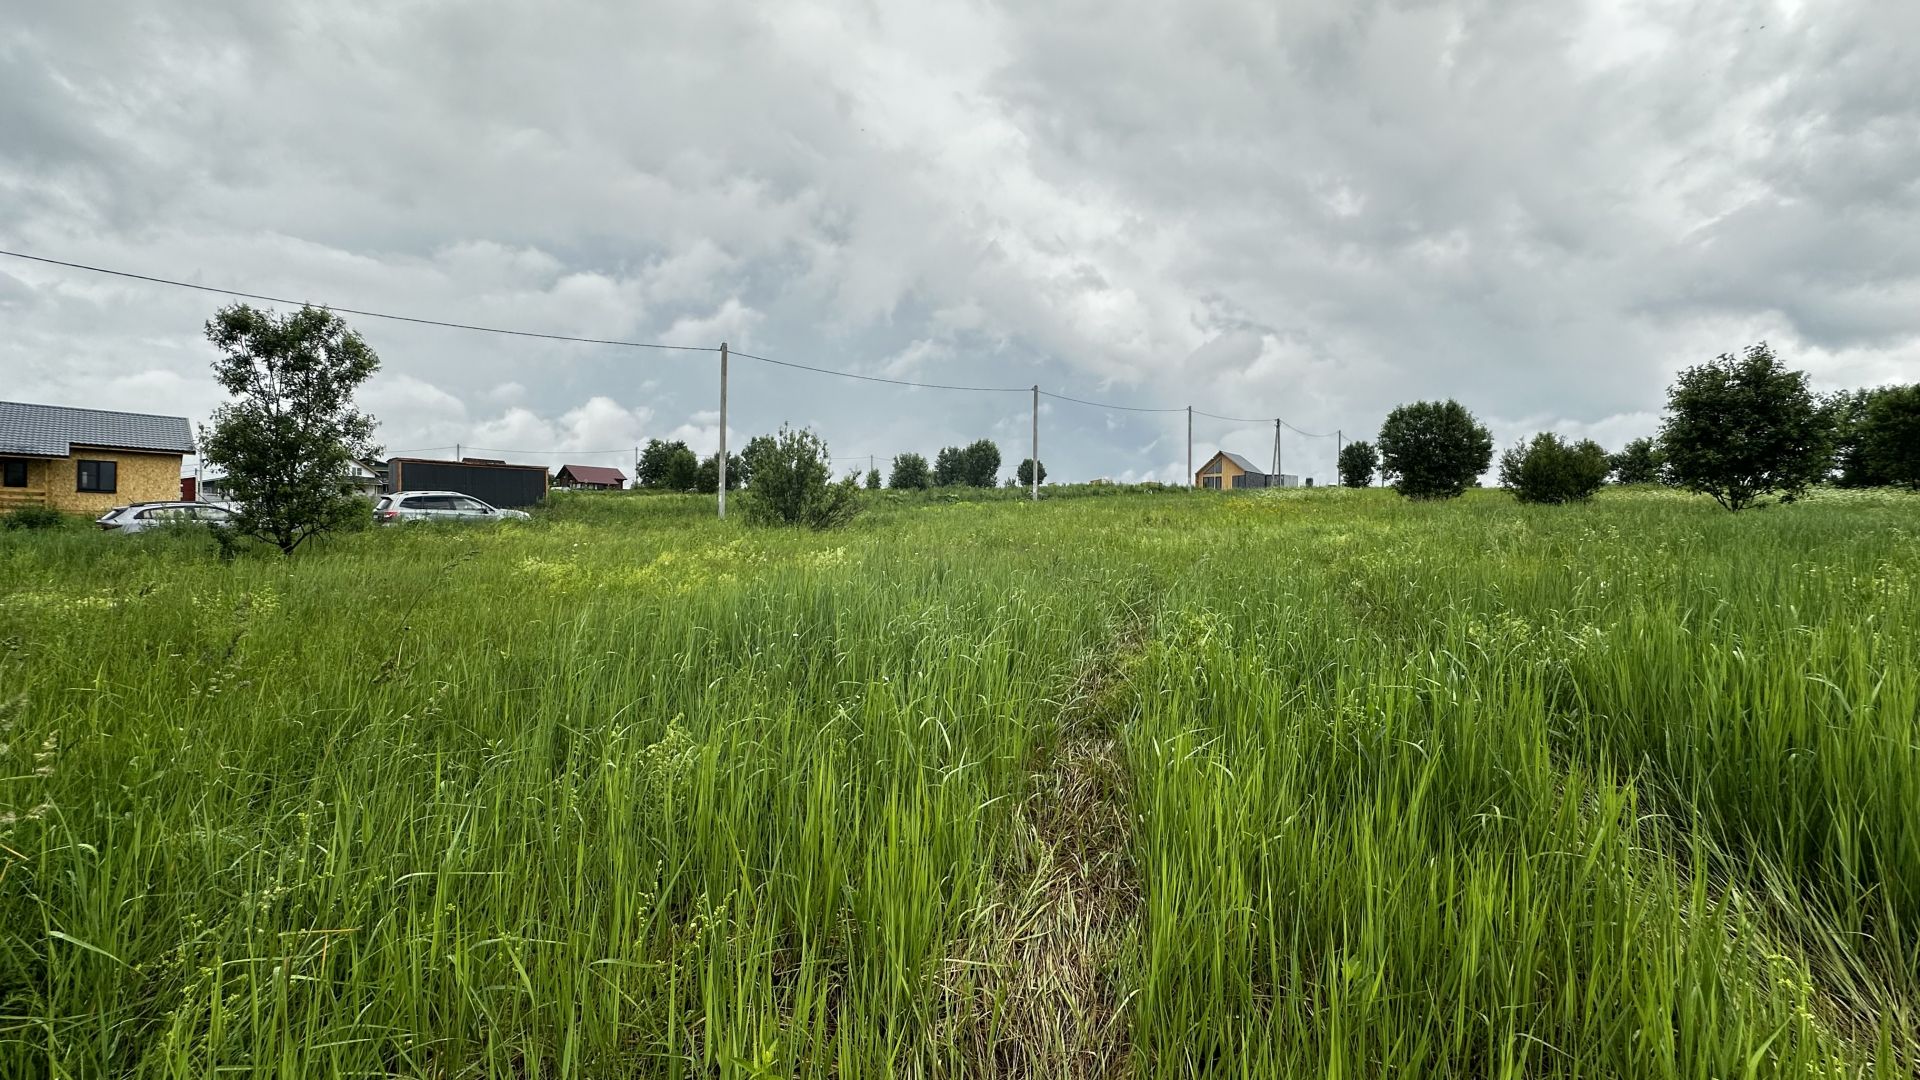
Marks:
<point>1312,210</point>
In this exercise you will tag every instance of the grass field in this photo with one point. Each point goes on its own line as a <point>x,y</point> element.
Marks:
<point>1293,784</point>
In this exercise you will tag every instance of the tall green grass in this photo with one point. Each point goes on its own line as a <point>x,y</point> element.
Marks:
<point>1469,789</point>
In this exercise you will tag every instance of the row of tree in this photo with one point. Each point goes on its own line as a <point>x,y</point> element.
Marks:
<point>673,466</point>
<point>1740,428</point>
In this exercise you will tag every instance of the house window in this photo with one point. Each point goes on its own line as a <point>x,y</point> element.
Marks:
<point>101,476</point>
<point>1212,482</point>
<point>1240,481</point>
<point>13,473</point>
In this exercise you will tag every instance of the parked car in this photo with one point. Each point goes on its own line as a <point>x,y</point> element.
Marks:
<point>438,506</point>
<point>139,517</point>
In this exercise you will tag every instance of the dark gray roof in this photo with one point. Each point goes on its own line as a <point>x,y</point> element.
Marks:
<point>1242,462</point>
<point>52,430</point>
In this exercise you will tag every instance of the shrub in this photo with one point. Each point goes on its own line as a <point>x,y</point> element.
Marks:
<point>910,472</point>
<point>793,484</point>
<point>1357,462</point>
<point>1548,469</point>
<point>1639,462</point>
<point>33,517</point>
<point>1433,449</point>
<point>1740,428</point>
<point>1890,436</point>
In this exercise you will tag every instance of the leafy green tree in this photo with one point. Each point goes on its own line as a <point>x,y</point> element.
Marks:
<point>949,467</point>
<point>756,446</point>
<point>1023,476</point>
<point>1357,462</point>
<point>910,473</point>
<point>706,480</point>
<point>980,464</point>
<point>873,479</point>
<point>1740,428</point>
<point>793,484</point>
<point>1890,436</point>
<point>1433,449</point>
<point>290,435</point>
<point>1549,469</point>
<point>1638,462</point>
<point>669,466</point>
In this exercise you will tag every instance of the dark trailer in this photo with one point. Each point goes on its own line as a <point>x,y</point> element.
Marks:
<point>494,482</point>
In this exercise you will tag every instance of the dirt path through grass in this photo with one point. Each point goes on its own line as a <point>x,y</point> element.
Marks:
<point>1038,991</point>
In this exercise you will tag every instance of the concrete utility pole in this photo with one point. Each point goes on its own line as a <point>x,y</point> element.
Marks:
<point>1339,440</point>
<point>1276,451</point>
<point>1190,480</point>
<point>723,431</point>
<point>1033,474</point>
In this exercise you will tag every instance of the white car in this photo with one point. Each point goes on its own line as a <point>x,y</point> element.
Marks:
<point>438,506</point>
<point>139,517</point>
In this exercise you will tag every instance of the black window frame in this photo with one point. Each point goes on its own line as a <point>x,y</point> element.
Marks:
<point>109,486</point>
<point>10,468</point>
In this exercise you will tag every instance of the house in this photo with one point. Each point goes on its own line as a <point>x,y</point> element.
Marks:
<point>86,461</point>
<point>495,482</point>
<point>1229,471</point>
<point>590,477</point>
<point>364,477</point>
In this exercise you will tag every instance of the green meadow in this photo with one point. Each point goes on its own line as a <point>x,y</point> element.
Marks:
<point>1305,783</point>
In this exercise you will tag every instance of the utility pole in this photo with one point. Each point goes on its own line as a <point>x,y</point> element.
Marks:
<point>1033,474</point>
<point>1339,440</point>
<point>722,459</point>
<point>1190,480</point>
<point>456,451</point>
<point>1276,451</point>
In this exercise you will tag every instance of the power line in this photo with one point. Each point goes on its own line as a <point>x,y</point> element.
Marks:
<point>1234,419</point>
<point>355,311</point>
<point>1106,405</point>
<point>421,321</point>
<point>882,379</point>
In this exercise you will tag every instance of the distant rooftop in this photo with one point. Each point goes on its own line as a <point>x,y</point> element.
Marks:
<point>54,430</point>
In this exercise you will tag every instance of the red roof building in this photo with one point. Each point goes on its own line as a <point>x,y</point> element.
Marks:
<point>591,477</point>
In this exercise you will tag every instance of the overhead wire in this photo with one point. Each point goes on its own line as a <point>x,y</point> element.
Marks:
<point>623,343</point>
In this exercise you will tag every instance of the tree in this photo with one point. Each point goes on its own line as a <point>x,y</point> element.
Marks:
<point>756,446</point>
<point>668,466</point>
<point>1433,449</point>
<point>706,479</point>
<point>1548,469</point>
<point>980,464</point>
<point>1638,462</point>
<point>873,479</point>
<point>949,467</point>
<point>1890,436</point>
<point>793,485</point>
<point>1357,462</point>
<point>1023,476</point>
<point>290,435</point>
<point>1740,428</point>
<point>910,472</point>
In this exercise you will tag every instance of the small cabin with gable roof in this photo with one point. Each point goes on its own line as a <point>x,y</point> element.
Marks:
<point>1228,471</point>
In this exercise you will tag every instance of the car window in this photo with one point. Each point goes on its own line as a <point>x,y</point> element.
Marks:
<point>430,502</point>
<point>211,513</point>
<point>385,501</point>
<point>463,502</point>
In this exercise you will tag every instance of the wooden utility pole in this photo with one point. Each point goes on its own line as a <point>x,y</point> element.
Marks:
<point>723,431</point>
<point>1033,474</point>
<point>1190,479</point>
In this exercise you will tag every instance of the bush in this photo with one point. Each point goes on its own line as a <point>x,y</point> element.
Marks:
<point>1548,469</point>
<point>1890,436</point>
<point>910,472</point>
<point>33,517</point>
<point>1357,462</point>
<point>1740,428</point>
<point>1433,449</point>
<point>1639,462</point>
<point>793,484</point>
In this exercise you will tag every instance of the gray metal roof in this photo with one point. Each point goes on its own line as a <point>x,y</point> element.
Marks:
<point>53,430</point>
<point>1242,462</point>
